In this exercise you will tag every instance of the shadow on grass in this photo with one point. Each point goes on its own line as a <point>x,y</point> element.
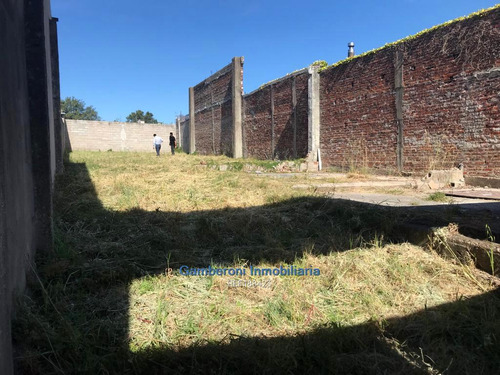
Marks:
<point>78,321</point>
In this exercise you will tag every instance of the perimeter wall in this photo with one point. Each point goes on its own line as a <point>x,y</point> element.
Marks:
<point>30,148</point>
<point>115,136</point>
<point>426,103</point>
<point>430,101</point>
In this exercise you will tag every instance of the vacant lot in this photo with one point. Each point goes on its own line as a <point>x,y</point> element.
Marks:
<point>111,298</point>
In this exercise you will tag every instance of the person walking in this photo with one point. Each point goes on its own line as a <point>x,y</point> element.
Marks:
<point>157,141</point>
<point>172,143</point>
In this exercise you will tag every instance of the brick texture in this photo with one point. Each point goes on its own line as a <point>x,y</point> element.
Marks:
<point>213,113</point>
<point>358,114</point>
<point>451,97</point>
<point>451,85</point>
<point>281,134</point>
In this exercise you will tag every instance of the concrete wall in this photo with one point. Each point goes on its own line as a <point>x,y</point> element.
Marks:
<point>184,133</point>
<point>275,121</point>
<point>27,145</point>
<point>116,136</point>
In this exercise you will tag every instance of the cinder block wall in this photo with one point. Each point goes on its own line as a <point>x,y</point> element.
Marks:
<point>27,150</point>
<point>116,136</point>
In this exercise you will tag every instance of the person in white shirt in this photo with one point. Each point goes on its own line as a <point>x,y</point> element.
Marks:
<point>157,141</point>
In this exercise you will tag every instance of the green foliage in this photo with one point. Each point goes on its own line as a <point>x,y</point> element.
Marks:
<point>139,115</point>
<point>479,13</point>
<point>321,63</point>
<point>438,197</point>
<point>76,109</point>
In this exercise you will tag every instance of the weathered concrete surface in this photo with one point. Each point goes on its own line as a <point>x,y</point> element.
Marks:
<point>16,182</point>
<point>313,113</point>
<point>483,181</point>
<point>484,254</point>
<point>27,150</point>
<point>471,215</point>
<point>116,136</point>
<point>59,141</point>
<point>438,179</point>
<point>330,186</point>
<point>236,97</point>
<point>475,193</point>
<point>192,126</point>
<point>38,64</point>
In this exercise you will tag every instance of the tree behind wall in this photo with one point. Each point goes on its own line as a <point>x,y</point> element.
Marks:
<point>76,109</point>
<point>139,115</point>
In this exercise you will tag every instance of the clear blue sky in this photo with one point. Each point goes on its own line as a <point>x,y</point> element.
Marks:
<point>124,55</point>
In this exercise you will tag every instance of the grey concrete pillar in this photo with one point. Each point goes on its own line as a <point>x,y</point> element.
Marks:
<point>56,98</point>
<point>16,181</point>
<point>41,114</point>
<point>399,89</point>
<point>313,113</point>
<point>178,134</point>
<point>192,137</point>
<point>237,92</point>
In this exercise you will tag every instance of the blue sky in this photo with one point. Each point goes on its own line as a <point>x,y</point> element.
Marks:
<point>124,55</point>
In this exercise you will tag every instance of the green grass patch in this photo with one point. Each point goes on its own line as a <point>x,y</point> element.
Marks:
<point>438,196</point>
<point>111,297</point>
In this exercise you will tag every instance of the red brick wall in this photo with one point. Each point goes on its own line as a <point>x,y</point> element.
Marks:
<point>257,119</point>
<point>358,114</point>
<point>257,124</point>
<point>450,80</point>
<point>450,109</point>
<point>213,113</point>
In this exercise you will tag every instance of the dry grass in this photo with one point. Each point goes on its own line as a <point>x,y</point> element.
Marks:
<point>103,302</point>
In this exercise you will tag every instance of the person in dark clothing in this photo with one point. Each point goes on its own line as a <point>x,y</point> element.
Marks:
<point>172,143</point>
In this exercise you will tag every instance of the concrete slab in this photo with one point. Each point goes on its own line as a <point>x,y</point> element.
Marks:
<point>340,185</point>
<point>473,193</point>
